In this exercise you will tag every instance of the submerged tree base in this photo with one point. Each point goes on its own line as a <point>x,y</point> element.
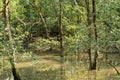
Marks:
<point>15,74</point>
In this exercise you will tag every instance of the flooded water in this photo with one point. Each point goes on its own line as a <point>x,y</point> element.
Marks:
<point>55,68</point>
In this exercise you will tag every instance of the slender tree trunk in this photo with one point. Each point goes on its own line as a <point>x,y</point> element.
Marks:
<point>43,21</point>
<point>61,42</point>
<point>46,29</point>
<point>41,17</point>
<point>14,70</point>
<point>45,26</point>
<point>8,33</point>
<point>61,29</point>
<point>89,29</point>
<point>92,33</point>
<point>95,33</point>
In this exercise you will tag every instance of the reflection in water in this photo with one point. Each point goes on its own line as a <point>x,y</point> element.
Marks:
<point>92,75</point>
<point>6,75</point>
<point>62,69</point>
<point>10,77</point>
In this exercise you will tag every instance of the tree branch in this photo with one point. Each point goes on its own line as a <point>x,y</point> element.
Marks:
<point>20,20</point>
<point>75,3</point>
<point>114,67</point>
<point>6,4</point>
<point>26,24</point>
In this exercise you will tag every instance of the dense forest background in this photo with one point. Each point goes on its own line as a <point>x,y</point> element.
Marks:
<point>86,31</point>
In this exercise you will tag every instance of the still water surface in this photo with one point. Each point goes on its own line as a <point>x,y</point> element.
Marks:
<point>55,68</point>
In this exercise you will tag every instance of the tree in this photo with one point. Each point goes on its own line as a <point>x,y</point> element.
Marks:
<point>10,39</point>
<point>61,29</point>
<point>91,23</point>
<point>89,34</point>
<point>61,40</point>
<point>95,32</point>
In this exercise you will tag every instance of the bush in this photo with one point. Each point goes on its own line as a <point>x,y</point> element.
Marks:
<point>43,44</point>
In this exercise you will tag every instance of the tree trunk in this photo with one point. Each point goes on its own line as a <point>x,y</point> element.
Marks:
<point>61,43</point>
<point>61,29</point>
<point>46,29</point>
<point>92,33</point>
<point>8,33</point>
<point>43,21</point>
<point>89,33</point>
<point>14,70</point>
<point>95,33</point>
<point>45,26</point>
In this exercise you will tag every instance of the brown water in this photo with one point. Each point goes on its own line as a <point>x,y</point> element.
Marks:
<point>52,68</point>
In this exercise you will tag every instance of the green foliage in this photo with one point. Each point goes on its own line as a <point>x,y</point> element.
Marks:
<point>44,44</point>
<point>74,21</point>
<point>27,56</point>
<point>77,43</point>
<point>70,30</point>
<point>108,33</point>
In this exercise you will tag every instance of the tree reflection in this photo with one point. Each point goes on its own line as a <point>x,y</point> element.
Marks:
<point>92,75</point>
<point>62,69</point>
